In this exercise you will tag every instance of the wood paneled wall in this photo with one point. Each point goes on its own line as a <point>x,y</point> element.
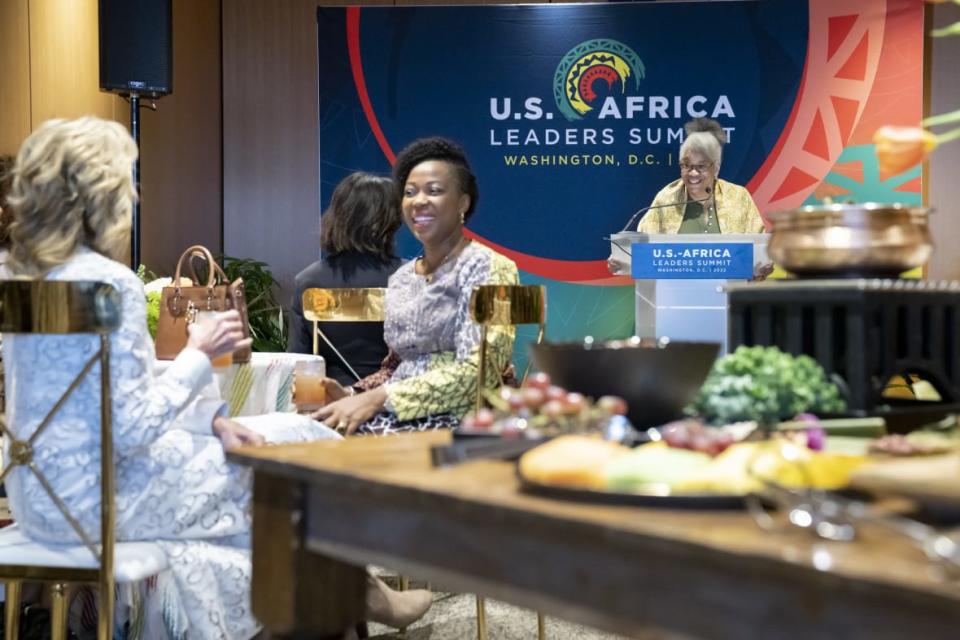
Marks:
<point>271,189</point>
<point>65,63</point>
<point>14,74</point>
<point>181,179</point>
<point>49,68</point>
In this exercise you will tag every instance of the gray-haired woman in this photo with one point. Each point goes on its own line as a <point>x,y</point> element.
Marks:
<point>700,202</point>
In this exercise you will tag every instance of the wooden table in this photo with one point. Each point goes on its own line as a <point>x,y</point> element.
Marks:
<point>324,510</point>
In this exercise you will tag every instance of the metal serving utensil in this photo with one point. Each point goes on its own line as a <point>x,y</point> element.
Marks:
<point>620,430</point>
<point>835,517</point>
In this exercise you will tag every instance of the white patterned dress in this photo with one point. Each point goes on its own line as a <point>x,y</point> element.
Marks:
<point>173,484</point>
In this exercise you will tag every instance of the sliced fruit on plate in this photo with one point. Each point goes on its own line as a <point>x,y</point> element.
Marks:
<point>654,463</point>
<point>571,461</point>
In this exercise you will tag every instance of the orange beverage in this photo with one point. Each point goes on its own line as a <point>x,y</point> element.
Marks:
<point>223,360</point>
<point>310,393</point>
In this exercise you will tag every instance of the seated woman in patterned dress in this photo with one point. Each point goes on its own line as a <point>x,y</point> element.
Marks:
<point>429,377</point>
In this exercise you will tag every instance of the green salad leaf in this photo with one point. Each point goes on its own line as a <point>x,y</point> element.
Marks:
<point>766,385</point>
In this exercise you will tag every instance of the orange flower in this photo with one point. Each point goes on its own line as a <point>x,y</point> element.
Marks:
<point>899,148</point>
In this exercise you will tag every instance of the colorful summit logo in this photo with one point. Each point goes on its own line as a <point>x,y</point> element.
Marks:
<point>602,59</point>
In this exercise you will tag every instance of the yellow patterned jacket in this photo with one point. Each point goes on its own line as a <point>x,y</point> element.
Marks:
<point>428,326</point>
<point>736,211</point>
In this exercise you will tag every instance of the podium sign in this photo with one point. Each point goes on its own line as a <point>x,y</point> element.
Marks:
<point>691,260</point>
<point>680,280</point>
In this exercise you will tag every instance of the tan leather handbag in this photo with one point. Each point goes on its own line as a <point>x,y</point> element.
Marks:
<point>180,306</point>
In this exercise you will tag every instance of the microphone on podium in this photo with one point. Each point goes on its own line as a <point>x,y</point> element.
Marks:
<point>666,204</point>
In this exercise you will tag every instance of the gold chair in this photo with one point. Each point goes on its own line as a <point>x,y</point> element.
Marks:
<point>341,305</point>
<point>503,305</point>
<point>348,304</point>
<point>52,307</point>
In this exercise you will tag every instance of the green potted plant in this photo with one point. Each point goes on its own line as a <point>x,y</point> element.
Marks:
<point>267,321</point>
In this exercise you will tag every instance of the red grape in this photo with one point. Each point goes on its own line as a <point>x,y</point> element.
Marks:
<point>516,401</point>
<point>552,408</point>
<point>483,419</point>
<point>533,397</point>
<point>574,402</point>
<point>700,442</point>
<point>690,434</point>
<point>614,405</point>
<point>554,392</point>
<point>538,380</point>
<point>512,428</point>
<point>675,435</point>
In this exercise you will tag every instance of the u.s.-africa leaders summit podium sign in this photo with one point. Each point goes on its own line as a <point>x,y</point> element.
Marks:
<point>679,280</point>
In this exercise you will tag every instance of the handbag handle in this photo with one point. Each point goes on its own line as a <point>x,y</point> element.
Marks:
<point>195,250</point>
<point>216,269</point>
<point>200,251</point>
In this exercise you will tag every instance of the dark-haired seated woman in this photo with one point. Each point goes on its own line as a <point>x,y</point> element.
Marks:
<point>430,375</point>
<point>357,241</point>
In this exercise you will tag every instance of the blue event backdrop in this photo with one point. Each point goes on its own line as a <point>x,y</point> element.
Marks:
<point>554,179</point>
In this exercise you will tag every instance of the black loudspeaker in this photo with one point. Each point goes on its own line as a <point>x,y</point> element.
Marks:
<point>136,47</point>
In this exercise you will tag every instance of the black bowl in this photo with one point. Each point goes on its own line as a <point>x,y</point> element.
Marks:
<point>656,380</point>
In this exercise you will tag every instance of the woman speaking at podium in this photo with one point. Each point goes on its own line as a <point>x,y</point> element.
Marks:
<point>699,202</point>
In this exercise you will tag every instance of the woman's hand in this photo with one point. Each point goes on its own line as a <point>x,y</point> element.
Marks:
<point>346,414</point>
<point>217,334</point>
<point>617,267</point>
<point>232,434</point>
<point>761,270</point>
<point>335,391</point>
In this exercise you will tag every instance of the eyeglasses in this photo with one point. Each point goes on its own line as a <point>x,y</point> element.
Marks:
<point>699,168</point>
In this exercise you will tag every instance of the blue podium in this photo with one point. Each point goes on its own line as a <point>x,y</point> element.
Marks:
<point>680,280</point>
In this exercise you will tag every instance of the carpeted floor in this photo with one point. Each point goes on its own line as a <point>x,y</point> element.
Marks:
<point>454,617</point>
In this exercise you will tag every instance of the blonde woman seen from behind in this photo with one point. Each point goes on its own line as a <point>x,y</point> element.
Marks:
<point>71,199</point>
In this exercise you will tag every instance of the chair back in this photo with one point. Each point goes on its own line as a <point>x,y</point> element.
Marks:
<point>503,305</point>
<point>353,304</point>
<point>64,307</point>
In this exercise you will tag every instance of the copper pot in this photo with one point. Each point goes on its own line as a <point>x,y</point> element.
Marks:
<point>869,239</point>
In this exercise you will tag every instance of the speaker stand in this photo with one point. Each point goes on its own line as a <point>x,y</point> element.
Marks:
<point>135,133</point>
<point>135,227</point>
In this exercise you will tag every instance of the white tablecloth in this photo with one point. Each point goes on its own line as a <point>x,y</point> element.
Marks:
<point>263,385</point>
